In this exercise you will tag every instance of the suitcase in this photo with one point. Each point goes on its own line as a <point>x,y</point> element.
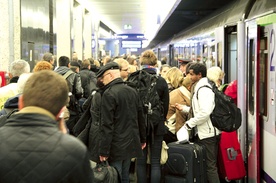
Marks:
<point>186,163</point>
<point>230,160</point>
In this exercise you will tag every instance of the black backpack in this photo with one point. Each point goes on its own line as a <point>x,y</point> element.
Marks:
<point>226,116</point>
<point>145,85</point>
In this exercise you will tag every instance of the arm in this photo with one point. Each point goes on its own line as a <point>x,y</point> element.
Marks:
<point>204,107</point>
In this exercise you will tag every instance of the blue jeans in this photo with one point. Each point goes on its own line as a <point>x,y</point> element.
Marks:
<point>123,169</point>
<point>155,154</point>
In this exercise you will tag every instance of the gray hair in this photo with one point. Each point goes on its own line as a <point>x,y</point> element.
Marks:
<point>19,67</point>
<point>48,57</point>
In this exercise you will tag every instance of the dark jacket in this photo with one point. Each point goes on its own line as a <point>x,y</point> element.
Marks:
<point>74,81</point>
<point>34,150</point>
<point>120,125</point>
<point>10,105</point>
<point>163,92</point>
<point>88,81</point>
<point>94,131</point>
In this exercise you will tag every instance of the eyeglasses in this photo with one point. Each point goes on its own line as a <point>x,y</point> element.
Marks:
<point>104,75</point>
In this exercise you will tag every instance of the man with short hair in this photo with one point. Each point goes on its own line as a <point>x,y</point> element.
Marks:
<point>183,64</point>
<point>48,57</point>
<point>17,68</point>
<point>88,78</point>
<point>33,145</point>
<point>124,67</point>
<point>203,104</point>
<point>123,134</point>
<point>74,83</point>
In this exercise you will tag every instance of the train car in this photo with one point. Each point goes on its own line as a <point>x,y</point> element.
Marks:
<point>240,38</point>
<point>259,89</point>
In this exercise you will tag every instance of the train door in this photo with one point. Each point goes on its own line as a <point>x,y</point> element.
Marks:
<point>230,61</point>
<point>253,118</point>
<point>267,105</point>
<point>261,127</point>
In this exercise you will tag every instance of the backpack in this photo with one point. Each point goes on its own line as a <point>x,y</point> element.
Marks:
<point>145,84</point>
<point>73,103</point>
<point>226,116</point>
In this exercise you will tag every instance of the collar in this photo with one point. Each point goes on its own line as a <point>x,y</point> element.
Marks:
<point>39,110</point>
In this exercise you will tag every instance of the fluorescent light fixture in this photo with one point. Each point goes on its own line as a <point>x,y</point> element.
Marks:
<point>127,27</point>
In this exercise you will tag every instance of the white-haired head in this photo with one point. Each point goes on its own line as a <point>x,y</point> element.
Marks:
<point>22,81</point>
<point>215,74</point>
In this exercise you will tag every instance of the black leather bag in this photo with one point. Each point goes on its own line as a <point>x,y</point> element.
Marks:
<point>104,173</point>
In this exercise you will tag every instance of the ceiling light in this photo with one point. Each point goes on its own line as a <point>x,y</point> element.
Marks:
<point>127,26</point>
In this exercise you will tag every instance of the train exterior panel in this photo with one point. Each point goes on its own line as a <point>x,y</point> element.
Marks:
<point>243,44</point>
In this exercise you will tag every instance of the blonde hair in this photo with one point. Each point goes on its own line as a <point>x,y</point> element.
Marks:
<point>97,63</point>
<point>121,62</point>
<point>174,76</point>
<point>215,74</point>
<point>187,83</point>
<point>132,68</point>
<point>148,58</point>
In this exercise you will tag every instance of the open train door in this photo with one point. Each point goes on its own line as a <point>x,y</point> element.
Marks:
<point>252,98</point>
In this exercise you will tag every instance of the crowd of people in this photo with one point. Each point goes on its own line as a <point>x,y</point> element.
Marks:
<point>44,140</point>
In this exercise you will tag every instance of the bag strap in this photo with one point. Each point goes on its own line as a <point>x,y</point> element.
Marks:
<point>67,74</point>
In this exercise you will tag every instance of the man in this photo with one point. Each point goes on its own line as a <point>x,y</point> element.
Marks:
<point>123,66</point>
<point>88,78</point>
<point>33,149</point>
<point>17,68</point>
<point>183,64</point>
<point>74,83</point>
<point>203,104</point>
<point>49,58</point>
<point>120,129</point>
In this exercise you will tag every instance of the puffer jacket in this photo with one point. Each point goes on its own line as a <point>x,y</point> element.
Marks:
<point>74,81</point>
<point>33,150</point>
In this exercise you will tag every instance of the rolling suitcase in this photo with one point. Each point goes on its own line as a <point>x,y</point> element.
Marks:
<point>230,161</point>
<point>186,163</point>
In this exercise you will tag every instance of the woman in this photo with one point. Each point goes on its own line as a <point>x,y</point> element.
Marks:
<point>149,63</point>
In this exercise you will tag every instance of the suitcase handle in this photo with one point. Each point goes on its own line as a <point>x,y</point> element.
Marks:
<point>232,153</point>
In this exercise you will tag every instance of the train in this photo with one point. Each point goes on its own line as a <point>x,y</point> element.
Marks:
<point>240,38</point>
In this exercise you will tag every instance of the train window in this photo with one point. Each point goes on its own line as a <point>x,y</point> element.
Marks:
<point>219,54</point>
<point>251,76</point>
<point>263,75</point>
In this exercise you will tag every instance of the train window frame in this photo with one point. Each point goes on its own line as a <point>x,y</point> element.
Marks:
<point>251,76</point>
<point>263,57</point>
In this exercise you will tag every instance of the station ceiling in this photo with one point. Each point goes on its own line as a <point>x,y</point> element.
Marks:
<point>185,13</point>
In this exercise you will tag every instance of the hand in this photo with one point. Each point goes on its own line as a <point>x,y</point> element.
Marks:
<point>187,126</point>
<point>183,108</point>
<point>178,106</point>
<point>103,158</point>
<point>143,145</point>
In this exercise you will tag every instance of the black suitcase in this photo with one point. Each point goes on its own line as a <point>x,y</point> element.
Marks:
<point>186,163</point>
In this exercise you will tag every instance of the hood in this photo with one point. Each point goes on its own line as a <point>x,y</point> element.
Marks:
<point>12,102</point>
<point>62,70</point>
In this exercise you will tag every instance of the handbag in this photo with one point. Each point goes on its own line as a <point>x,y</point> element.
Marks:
<point>104,173</point>
<point>164,154</point>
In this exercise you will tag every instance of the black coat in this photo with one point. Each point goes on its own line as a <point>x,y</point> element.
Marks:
<point>34,150</point>
<point>120,111</point>
<point>88,81</point>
